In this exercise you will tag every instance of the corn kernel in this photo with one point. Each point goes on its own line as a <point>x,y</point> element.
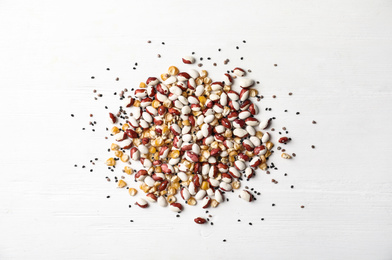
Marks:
<point>191,201</point>
<point>205,185</point>
<point>214,203</point>
<point>136,103</point>
<point>199,81</point>
<point>125,158</point>
<point>236,185</point>
<point>144,187</point>
<point>171,199</point>
<point>269,145</point>
<point>226,88</point>
<point>267,154</point>
<point>171,190</point>
<point>132,191</point>
<point>173,70</point>
<point>253,92</point>
<point>176,185</point>
<point>259,134</point>
<point>164,192</point>
<point>118,153</point>
<point>174,154</point>
<point>115,130</point>
<point>110,162</point>
<point>155,103</point>
<point>263,166</point>
<point>125,126</point>
<point>128,170</point>
<point>207,80</point>
<point>114,147</point>
<point>121,184</point>
<point>158,169</point>
<point>165,76</point>
<point>203,73</point>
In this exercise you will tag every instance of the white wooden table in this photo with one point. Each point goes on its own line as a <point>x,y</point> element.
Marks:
<point>336,58</point>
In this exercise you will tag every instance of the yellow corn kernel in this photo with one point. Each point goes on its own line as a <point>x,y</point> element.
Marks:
<point>165,76</point>
<point>206,154</point>
<point>214,144</point>
<point>144,187</point>
<point>263,166</point>
<point>174,154</point>
<point>132,191</point>
<point>136,103</point>
<point>226,88</point>
<point>176,185</point>
<point>259,134</point>
<point>136,142</point>
<point>224,160</point>
<point>118,153</point>
<point>125,126</point>
<point>114,147</point>
<point>269,145</point>
<point>152,189</point>
<point>249,154</point>
<point>231,159</point>
<point>253,92</point>
<point>124,158</point>
<point>174,179</point>
<point>173,70</point>
<point>236,185</point>
<point>157,183</point>
<point>186,123</point>
<point>267,154</point>
<point>199,81</point>
<point>203,73</point>
<point>128,170</point>
<point>207,80</point>
<point>158,169</point>
<point>152,149</point>
<point>218,116</point>
<point>171,190</point>
<point>191,201</point>
<point>214,203</point>
<point>121,184</point>
<point>207,89</point>
<point>115,130</point>
<point>110,162</point>
<point>142,85</point>
<point>164,192</point>
<point>155,103</point>
<point>205,185</point>
<point>171,199</point>
<point>215,122</point>
<point>228,133</point>
<point>263,159</point>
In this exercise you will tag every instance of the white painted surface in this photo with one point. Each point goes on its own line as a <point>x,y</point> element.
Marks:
<point>335,56</point>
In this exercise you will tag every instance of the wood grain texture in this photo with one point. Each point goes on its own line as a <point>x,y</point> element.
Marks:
<point>335,56</point>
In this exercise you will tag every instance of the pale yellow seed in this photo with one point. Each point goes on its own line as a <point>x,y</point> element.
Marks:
<point>186,123</point>
<point>203,73</point>
<point>110,162</point>
<point>158,169</point>
<point>253,92</point>
<point>165,76</point>
<point>136,103</point>
<point>132,191</point>
<point>218,116</point>
<point>263,166</point>
<point>144,187</point>
<point>171,199</point>
<point>249,154</point>
<point>173,70</point>
<point>207,80</point>
<point>176,185</point>
<point>191,201</point>
<point>236,184</point>
<point>125,158</point>
<point>259,134</point>
<point>152,190</point>
<point>208,88</point>
<point>269,145</point>
<point>199,81</point>
<point>115,130</point>
<point>214,144</point>
<point>118,153</point>
<point>214,203</point>
<point>226,88</point>
<point>155,104</point>
<point>205,185</point>
<point>128,170</point>
<point>122,184</point>
<point>125,126</point>
<point>164,192</point>
<point>174,179</point>
<point>114,147</point>
<point>142,85</point>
